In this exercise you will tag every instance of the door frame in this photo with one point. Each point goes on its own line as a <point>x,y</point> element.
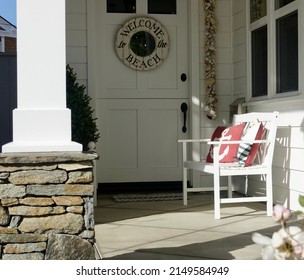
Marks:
<point>194,88</point>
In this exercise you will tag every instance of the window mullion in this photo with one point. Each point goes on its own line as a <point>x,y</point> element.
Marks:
<point>142,7</point>
<point>271,50</point>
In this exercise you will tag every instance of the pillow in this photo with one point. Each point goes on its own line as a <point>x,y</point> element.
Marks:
<point>216,135</point>
<point>243,153</point>
<point>247,151</point>
<point>227,153</point>
<point>255,147</point>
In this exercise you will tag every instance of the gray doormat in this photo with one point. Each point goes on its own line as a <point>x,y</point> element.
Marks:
<point>137,197</point>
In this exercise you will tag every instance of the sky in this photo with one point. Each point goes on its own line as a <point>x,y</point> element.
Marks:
<point>8,10</point>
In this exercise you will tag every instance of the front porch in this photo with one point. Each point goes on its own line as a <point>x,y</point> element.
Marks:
<point>167,230</point>
<point>157,230</point>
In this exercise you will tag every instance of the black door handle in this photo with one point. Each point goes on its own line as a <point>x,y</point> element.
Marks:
<point>184,108</point>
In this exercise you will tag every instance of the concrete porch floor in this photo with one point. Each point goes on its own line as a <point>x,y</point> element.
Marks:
<point>167,230</point>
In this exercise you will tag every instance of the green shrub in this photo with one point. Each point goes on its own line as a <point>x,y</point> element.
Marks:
<point>84,128</point>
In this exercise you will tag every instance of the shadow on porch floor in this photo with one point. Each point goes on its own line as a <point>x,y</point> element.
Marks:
<point>167,230</point>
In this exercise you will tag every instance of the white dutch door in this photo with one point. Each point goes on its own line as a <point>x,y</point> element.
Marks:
<point>141,83</point>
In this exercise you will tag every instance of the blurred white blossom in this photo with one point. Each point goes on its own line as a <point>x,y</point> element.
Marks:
<point>286,243</point>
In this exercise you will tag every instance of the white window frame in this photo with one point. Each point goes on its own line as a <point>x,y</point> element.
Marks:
<point>270,21</point>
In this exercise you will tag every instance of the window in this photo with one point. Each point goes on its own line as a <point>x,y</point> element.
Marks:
<point>121,6</point>
<point>259,61</point>
<point>274,54</point>
<point>287,53</point>
<point>162,6</point>
<point>281,3</point>
<point>258,9</point>
<point>154,6</point>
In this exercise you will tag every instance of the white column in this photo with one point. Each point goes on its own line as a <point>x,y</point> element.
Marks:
<point>41,123</point>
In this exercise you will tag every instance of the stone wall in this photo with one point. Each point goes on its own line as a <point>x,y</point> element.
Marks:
<point>47,206</point>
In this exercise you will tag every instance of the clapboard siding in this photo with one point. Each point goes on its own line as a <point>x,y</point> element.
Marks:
<point>239,48</point>
<point>288,162</point>
<point>224,76</point>
<point>76,38</point>
<point>223,62</point>
<point>76,21</point>
<point>223,8</point>
<point>239,87</point>
<point>290,158</point>
<point>232,77</point>
<point>76,6</point>
<point>288,178</point>
<point>77,55</point>
<point>294,199</point>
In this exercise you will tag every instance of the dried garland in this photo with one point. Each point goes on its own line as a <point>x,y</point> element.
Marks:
<point>210,55</point>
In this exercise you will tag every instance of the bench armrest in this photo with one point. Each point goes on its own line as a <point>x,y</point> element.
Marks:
<point>209,142</point>
<point>194,140</point>
<point>238,142</point>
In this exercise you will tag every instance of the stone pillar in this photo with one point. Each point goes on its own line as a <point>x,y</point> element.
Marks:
<point>41,123</point>
<point>47,206</point>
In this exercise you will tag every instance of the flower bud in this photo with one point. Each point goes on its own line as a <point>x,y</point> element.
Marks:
<point>281,213</point>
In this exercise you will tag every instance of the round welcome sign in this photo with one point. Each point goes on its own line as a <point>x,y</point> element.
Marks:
<point>142,43</point>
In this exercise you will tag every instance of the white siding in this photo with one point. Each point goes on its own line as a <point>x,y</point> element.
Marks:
<point>76,38</point>
<point>288,166</point>
<point>224,73</point>
<point>223,62</point>
<point>239,48</point>
<point>288,163</point>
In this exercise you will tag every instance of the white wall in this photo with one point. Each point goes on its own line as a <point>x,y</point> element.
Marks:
<point>239,48</point>
<point>288,163</point>
<point>231,84</point>
<point>76,38</point>
<point>224,72</point>
<point>77,57</point>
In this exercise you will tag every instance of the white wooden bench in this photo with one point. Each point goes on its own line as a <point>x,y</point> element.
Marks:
<point>261,166</point>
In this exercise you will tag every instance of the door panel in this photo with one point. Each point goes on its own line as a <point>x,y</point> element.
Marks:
<point>139,140</point>
<point>138,112</point>
<point>122,138</point>
<point>159,138</point>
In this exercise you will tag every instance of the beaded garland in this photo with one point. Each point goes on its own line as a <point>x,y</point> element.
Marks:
<point>210,57</point>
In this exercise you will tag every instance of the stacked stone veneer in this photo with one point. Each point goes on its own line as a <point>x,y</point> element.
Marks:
<point>46,206</point>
